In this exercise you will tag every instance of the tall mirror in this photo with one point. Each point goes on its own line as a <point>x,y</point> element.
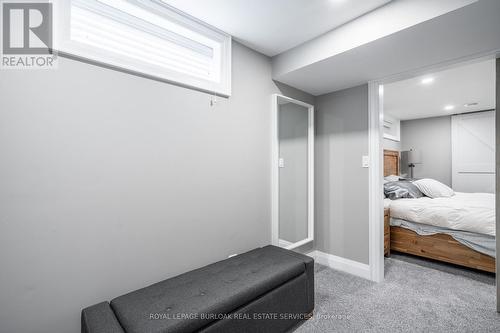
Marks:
<point>293,172</point>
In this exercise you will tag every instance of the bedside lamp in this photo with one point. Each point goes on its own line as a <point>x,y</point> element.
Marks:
<point>414,157</point>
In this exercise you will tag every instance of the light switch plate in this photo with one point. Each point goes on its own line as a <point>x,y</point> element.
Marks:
<point>281,163</point>
<point>365,161</point>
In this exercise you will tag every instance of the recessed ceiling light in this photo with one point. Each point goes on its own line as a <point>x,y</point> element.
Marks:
<point>449,107</point>
<point>468,105</point>
<point>427,80</point>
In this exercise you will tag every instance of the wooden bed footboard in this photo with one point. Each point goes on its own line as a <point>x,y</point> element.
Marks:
<point>440,247</point>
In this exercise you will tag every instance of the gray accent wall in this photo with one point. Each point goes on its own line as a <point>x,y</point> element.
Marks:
<point>432,136</point>
<point>110,182</point>
<point>341,192</point>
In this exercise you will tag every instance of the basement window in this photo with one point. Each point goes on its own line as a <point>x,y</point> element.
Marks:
<point>150,38</point>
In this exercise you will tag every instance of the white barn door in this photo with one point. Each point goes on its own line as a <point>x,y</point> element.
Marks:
<point>473,152</point>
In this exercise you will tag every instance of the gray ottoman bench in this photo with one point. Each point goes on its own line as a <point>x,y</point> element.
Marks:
<point>268,289</point>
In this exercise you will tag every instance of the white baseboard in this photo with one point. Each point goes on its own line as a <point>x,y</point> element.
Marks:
<point>342,264</point>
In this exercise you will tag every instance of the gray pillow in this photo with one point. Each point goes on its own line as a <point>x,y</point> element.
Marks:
<point>401,189</point>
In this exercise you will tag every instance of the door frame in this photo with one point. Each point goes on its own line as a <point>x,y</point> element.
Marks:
<point>497,176</point>
<point>375,151</point>
<point>275,172</point>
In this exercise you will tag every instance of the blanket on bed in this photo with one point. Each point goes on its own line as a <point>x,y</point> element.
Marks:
<point>473,212</point>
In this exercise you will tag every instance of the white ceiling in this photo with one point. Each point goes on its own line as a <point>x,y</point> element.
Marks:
<point>471,83</point>
<point>465,33</point>
<point>274,26</point>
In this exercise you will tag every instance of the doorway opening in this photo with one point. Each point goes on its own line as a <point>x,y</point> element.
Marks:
<point>434,131</point>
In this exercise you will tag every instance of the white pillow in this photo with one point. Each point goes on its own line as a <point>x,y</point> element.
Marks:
<point>433,189</point>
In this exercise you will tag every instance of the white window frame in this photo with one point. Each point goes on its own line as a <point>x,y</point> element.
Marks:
<point>220,42</point>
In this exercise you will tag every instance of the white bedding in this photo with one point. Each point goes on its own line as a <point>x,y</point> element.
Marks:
<point>387,203</point>
<point>474,212</point>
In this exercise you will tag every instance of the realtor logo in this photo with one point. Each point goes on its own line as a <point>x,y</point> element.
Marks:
<point>27,39</point>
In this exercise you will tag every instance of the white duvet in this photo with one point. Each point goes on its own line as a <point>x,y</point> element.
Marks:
<point>474,212</point>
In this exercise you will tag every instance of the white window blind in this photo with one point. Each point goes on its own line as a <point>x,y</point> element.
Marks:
<point>148,37</point>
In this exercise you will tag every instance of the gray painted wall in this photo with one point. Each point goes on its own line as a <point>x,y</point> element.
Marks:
<point>111,182</point>
<point>293,138</point>
<point>341,192</point>
<point>432,136</point>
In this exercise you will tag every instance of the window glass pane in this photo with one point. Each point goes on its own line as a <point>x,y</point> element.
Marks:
<point>145,36</point>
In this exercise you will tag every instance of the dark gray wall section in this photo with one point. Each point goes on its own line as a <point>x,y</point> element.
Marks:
<point>432,136</point>
<point>110,182</point>
<point>341,192</point>
<point>293,131</point>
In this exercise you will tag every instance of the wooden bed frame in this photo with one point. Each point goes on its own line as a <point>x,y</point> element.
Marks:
<point>438,247</point>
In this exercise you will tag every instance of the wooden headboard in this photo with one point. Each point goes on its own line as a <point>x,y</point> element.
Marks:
<point>391,162</point>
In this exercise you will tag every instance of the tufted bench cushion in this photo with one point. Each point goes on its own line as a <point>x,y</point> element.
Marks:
<point>177,304</point>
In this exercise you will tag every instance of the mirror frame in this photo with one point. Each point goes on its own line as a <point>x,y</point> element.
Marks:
<point>275,173</point>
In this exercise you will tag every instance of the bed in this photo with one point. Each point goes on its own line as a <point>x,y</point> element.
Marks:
<point>418,229</point>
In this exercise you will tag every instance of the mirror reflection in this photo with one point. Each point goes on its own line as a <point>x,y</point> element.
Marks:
<point>293,172</point>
